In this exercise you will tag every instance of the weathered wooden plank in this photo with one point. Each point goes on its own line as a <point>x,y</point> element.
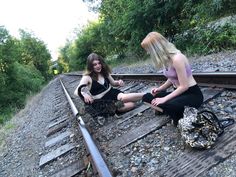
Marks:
<point>194,163</point>
<point>60,112</point>
<point>139,132</point>
<point>58,97</point>
<point>136,88</point>
<point>61,105</point>
<point>57,117</point>
<point>56,128</point>
<point>196,166</point>
<point>210,93</point>
<point>56,153</point>
<point>124,117</point>
<point>57,122</point>
<point>132,113</point>
<point>72,81</point>
<point>55,140</point>
<point>73,169</point>
<point>128,87</point>
<point>156,108</point>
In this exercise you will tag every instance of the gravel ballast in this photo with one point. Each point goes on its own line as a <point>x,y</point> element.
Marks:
<point>22,139</point>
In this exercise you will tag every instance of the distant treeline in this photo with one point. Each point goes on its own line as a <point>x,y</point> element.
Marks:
<point>24,68</point>
<point>124,23</point>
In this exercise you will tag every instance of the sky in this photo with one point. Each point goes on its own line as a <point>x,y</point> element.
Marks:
<point>52,21</point>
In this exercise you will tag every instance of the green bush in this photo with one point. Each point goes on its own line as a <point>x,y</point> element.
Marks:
<point>5,114</point>
<point>203,40</point>
<point>22,81</point>
<point>27,80</point>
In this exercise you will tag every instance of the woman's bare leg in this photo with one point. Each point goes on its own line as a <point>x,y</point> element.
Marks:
<point>130,97</point>
<point>127,107</point>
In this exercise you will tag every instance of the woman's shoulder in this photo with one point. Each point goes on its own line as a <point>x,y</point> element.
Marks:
<point>86,77</point>
<point>179,58</point>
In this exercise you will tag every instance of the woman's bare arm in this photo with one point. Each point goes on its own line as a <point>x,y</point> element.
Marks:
<point>85,91</point>
<point>164,86</point>
<point>115,82</point>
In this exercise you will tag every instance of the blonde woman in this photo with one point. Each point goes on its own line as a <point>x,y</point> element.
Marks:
<point>97,84</point>
<point>178,72</point>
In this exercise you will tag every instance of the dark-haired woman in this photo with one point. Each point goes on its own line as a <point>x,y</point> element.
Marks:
<point>97,83</point>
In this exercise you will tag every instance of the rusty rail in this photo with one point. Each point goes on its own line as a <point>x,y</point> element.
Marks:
<point>218,79</point>
<point>99,163</point>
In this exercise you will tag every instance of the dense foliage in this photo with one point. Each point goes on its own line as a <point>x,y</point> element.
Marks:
<point>123,24</point>
<point>24,67</point>
<point>205,40</point>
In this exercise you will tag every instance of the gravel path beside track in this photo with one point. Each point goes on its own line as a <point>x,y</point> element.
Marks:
<point>20,151</point>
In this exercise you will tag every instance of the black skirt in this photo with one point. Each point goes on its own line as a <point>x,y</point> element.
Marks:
<point>112,94</point>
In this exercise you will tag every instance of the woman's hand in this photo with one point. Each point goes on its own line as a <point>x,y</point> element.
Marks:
<point>88,98</point>
<point>157,101</point>
<point>121,83</point>
<point>154,91</point>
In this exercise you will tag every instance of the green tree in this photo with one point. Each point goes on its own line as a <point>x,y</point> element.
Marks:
<point>23,69</point>
<point>123,24</point>
<point>88,40</point>
<point>34,51</point>
<point>8,55</point>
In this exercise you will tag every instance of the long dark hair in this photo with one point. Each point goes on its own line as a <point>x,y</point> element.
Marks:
<point>89,70</point>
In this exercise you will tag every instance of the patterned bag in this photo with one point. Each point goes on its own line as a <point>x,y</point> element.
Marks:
<point>201,129</point>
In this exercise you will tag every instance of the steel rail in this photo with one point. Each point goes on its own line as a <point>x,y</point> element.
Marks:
<point>99,163</point>
<point>218,79</point>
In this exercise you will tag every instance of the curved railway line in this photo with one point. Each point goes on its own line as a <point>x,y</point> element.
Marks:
<point>136,143</point>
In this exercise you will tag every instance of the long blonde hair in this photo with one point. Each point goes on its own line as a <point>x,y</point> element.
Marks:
<point>159,48</point>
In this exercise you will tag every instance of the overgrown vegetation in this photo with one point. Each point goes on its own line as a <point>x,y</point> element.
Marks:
<point>24,68</point>
<point>123,24</point>
<point>203,40</point>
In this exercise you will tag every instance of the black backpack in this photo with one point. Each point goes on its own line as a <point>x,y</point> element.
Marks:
<point>201,129</point>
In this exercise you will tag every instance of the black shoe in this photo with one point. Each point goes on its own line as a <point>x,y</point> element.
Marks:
<point>148,97</point>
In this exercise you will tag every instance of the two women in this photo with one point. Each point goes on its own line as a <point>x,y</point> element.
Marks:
<point>97,83</point>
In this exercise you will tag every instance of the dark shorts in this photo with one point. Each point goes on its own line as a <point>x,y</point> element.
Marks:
<point>112,94</point>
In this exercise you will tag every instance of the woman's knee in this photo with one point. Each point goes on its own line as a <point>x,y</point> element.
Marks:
<point>120,96</point>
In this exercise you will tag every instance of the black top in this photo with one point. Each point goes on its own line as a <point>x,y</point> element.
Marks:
<point>97,88</point>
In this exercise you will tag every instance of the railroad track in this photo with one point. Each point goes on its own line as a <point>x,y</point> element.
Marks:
<point>138,143</point>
